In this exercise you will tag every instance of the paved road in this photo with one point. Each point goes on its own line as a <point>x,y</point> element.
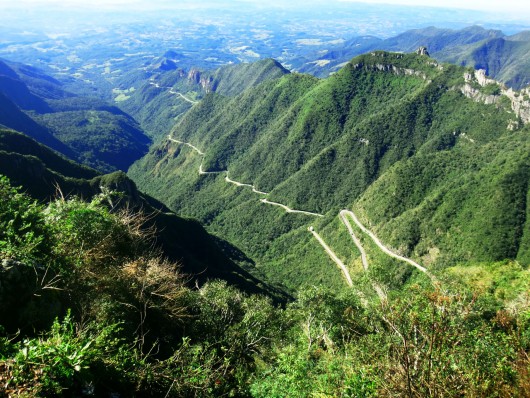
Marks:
<point>289,210</point>
<point>356,241</point>
<point>333,256</point>
<point>171,91</point>
<point>344,213</point>
<point>240,184</point>
<point>188,144</point>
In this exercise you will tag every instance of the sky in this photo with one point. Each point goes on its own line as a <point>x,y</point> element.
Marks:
<point>520,8</point>
<point>489,5</point>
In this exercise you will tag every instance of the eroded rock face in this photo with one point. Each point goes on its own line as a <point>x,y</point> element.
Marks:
<point>194,76</point>
<point>520,100</point>
<point>422,51</point>
<point>206,82</point>
<point>470,92</point>
<point>392,69</point>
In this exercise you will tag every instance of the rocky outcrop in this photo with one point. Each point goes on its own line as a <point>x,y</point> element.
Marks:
<point>475,94</point>
<point>196,77</point>
<point>390,68</point>
<point>422,51</point>
<point>519,100</point>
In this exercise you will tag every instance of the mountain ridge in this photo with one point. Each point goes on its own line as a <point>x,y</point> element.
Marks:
<point>44,174</point>
<point>332,140</point>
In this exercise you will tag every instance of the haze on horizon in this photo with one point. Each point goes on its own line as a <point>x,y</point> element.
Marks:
<point>518,7</point>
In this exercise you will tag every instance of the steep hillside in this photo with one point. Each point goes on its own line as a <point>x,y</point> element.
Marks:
<point>13,117</point>
<point>172,91</point>
<point>44,175</point>
<point>323,145</point>
<point>89,308</point>
<point>84,129</point>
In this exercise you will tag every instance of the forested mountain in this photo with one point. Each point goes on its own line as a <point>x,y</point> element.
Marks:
<point>45,175</point>
<point>171,91</point>
<point>504,58</point>
<point>85,129</point>
<point>407,142</point>
<point>381,216</point>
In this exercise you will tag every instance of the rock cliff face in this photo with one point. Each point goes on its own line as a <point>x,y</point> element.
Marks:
<point>197,77</point>
<point>477,85</point>
<point>422,51</point>
<point>391,68</point>
<point>519,100</point>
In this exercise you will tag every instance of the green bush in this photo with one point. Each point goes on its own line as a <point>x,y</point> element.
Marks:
<point>23,232</point>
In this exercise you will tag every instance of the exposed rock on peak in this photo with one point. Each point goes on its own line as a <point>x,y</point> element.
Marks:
<point>422,51</point>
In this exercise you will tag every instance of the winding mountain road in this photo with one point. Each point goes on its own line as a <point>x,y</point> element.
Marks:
<point>240,184</point>
<point>356,241</point>
<point>333,256</point>
<point>188,144</point>
<point>289,210</point>
<point>344,213</point>
<point>202,172</point>
<point>171,91</point>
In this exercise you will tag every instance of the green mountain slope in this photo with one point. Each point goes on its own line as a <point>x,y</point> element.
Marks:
<point>173,91</point>
<point>102,139</point>
<point>84,129</point>
<point>324,145</point>
<point>13,117</point>
<point>41,173</point>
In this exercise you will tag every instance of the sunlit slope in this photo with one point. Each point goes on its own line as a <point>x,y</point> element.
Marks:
<point>324,145</point>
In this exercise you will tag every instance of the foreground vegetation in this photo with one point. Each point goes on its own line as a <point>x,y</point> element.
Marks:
<point>91,308</point>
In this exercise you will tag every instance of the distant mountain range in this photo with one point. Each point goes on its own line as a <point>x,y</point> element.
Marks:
<point>505,58</point>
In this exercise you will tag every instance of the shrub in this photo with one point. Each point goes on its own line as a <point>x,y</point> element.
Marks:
<point>23,233</point>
